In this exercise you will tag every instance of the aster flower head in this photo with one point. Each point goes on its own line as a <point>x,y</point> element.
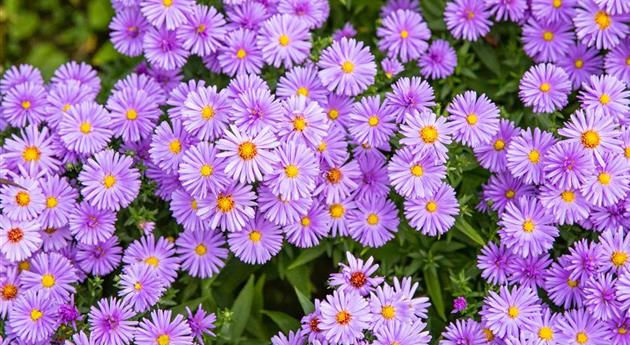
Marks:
<point>403,34</point>
<point>159,255</point>
<point>86,128</point>
<point>244,82</point>
<point>615,245</point>
<point>255,109</point>
<point>284,40</point>
<point>371,122</point>
<point>304,121</point>
<point>99,259</point>
<point>438,61</point>
<point>91,225</point>
<point>127,30</point>
<point>530,271</point>
<point>246,15</point>
<point>562,289</point>
<point>161,327</point>
<point>34,317</point>
<point>609,182</point>
<point>616,62</point>
<point>230,208</point>
<point>205,113</point>
<point>506,312</point>
<point>257,242</point>
<point>494,263</point>
<point>391,67</point>
<point>547,41</point>
<point>82,73</point>
<point>467,19</point>
<point>595,132</point>
<point>434,214</point>
<point>52,274</point>
<point>392,6</point>
<point>20,74</point>
<point>247,157</point>
<point>279,210</point>
<point>507,10</point>
<point>388,308</point>
<point>356,276</point>
<point>580,62</point>
<point>18,239</point>
<point>62,97</point>
<point>473,119</point>
<point>200,323</point>
<point>170,13</point>
<point>32,149</point>
<point>374,222</point>
<point>567,205</point>
<point>545,88</point>
<point>374,180</point>
<point>339,181</point>
<point>202,252</point>
<point>24,103</point>
<point>240,54</point>
<point>527,154</point>
<point>347,67</point>
<point>597,27</point>
<point>462,332</point>
<point>303,81</point>
<point>600,297</point>
<point>25,202</point>
<point>553,11</point>
<point>347,31</point>
<point>415,175</point>
<point>163,49</point>
<point>313,12</point>
<point>338,108</point>
<point>344,316</point>
<point>410,95</point>
<point>133,115</point>
<point>294,338</point>
<point>425,131</point>
<point>493,154</point>
<point>607,96</point>
<point>568,165</point>
<point>169,143</point>
<point>295,172</point>
<point>201,171</point>
<point>310,227</point>
<point>140,287</point>
<point>584,260</point>
<point>143,82</point>
<point>610,217</point>
<point>203,31</point>
<point>579,327</point>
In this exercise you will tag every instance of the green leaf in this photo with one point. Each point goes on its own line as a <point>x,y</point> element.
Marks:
<point>105,54</point>
<point>435,291</point>
<point>487,57</point>
<point>284,321</point>
<point>241,309</point>
<point>99,13</point>
<point>305,302</point>
<point>307,255</point>
<point>462,225</point>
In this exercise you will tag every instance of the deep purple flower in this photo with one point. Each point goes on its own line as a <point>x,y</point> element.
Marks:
<point>408,96</point>
<point>127,30</point>
<point>494,262</point>
<point>467,19</point>
<point>99,259</point>
<point>163,49</point>
<point>438,61</point>
<point>203,31</point>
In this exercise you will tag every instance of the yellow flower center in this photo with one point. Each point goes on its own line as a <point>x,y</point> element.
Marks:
<point>534,156</point>
<point>579,63</point>
<point>590,139</point>
<point>604,178</point>
<point>137,286</point>
<point>513,312</point>
<point>51,202</point>
<point>388,75</point>
<point>334,175</point>
<point>388,312</point>
<point>429,134</point>
<point>567,196</point>
<point>626,152</point>
<point>333,114</point>
<point>207,112</point>
<point>619,258</point>
<point>201,28</point>
<point>26,105</point>
<point>603,20</point>
<point>510,194</point>
<point>247,150</point>
<point>85,127</point>
<point>604,99</point>
<point>132,114</point>
<point>545,333</point>
<point>36,314</point>
<point>241,54</point>
<point>548,36</point>
<point>322,147</point>
<point>225,203</point>
<point>283,40</point>
<point>22,198</point>
<point>572,283</point>
<point>48,280</point>
<point>372,219</point>
<point>431,206</point>
<point>302,91</point>
<point>557,3</point>
<point>404,34</point>
<point>291,171</point>
<point>66,107</point>
<point>545,87</point>
<point>373,121</point>
<point>472,119</point>
<point>31,153</point>
<point>206,170</point>
<point>8,291</point>
<point>201,250</point>
<point>417,170</point>
<point>336,210</point>
<point>152,261</point>
<point>163,339</point>
<point>193,204</point>
<point>499,145</point>
<point>347,67</point>
<point>305,221</point>
<point>24,265</point>
<point>581,338</point>
<point>489,335</point>
<point>622,330</point>
<point>175,146</point>
<point>470,14</point>
<point>299,123</point>
<point>528,226</point>
<point>255,236</point>
<point>109,181</point>
<point>343,317</point>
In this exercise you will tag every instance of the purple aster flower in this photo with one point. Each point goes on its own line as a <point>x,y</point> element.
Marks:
<point>526,228</point>
<point>62,97</point>
<point>313,12</point>
<point>344,316</point>
<point>596,133</point>
<point>254,110</point>
<point>230,208</point>
<point>509,311</point>
<point>563,290</point>
<point>311,227</point>
<point>86,128</point>
<point>494,263</point>
<point>34,317</point>
<point>171,13</point>
<point>245,82</point>
<point>547,41</point>
<point>294,338</point>
<point>100,259</point>
<point>473,119</point>
<point>203,31</point>
<point>158,255</point>
<point>434,214</point>
<point>140,287</point>
<point>615,245</point>
<point>584,260</point>
<point>493,155</point>
<point>567,165</point>
<point>553,11</point>
<point>303,121</point>
<point>347,67</point>
<point>528,154</point>
<point>425,131</point>
<point>184,208</point>
<point>339,181</point>
<point>403,34</point>
<point>567,206</point>
<point>466,331</point>
<point>580,62</point>
<point>338,212</point>
<point>200,323</point>
<point>279,210</point>
<point>356,276</point>
<point>614,6</point>
<point>167,79</point>
<point>163,49</point>
<point>201,252</point>
<point>415,175</point>
<point>32,149</point>
<point>247,15</point>
<point>169,143</point>
<point>284,40</point>
<point>258,242</point>
<point>143,82</point>
<point>338,109</point>
<point>133,114</point>
<point>24,104</point>
<point>127,30</point>
<point>90,225</point>
<point>597,27</point>
<point>579,327</point>
<point>545,88</point>
<point>302,81</point>
<point>178,96</point>
<point>609,182</point>
<point>374,181</point>
<point>392,6</point>
<point>10,290</point>
<point>294,174</point>
<point>438,61</point>
<point>201,171</point>
<point>512,10</point>
<point>374,222</point>
<point>388,308</point>
<point>347,31</point>
<point>623,291</point>
<point>409,97</point>
<point>600,297</point>
<point>54,238</point>
<point>530,271</point>
<point>467,19</point>
<point>82,73</point>
<point>20,74</point>
<point>19,239</point>
<point>617,62</point>
<point>459,304</point>
<point>391,67</point>
<point>205,113</point>
<point>161,328</point>
<point>52,274</point>
<point>544,327</point>
<point>618,328</point>
<point>240,53</point>
<point>333,149</point>
<point>611,217</point>
<point>607,96</point>
<point>371,122</point>
<point>110,322</point>
<point>22,203</point>
<point>247,157</point>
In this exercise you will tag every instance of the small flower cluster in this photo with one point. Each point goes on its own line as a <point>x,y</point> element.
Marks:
<point>364,309</point>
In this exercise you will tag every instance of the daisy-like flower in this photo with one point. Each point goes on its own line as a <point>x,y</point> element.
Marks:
<point>585,260</point>
<point>374,222</point>
<point>553,11</point>
<point>10,290</point>
<point>32,149</point>
<point>609,182</point>
<point>388,308</point>
<point>403,34</point>
<point>168,79</point>
<point>611,217</point>
<point>494,263</point>
<point>466,331</point>
<point>344,317</point>
<point>338,213</point>
<point>90,225</point>
<point>526,228</point>
<point>247,157</point>
<point>547,41</point>
<point>109,180</point>
<point>563,290</point>
<point>467,19</point>
<point>434,214</point>
<point>607,96</point>
<point>506,312</point>
<point>202,252</point>
<point>415,175</point>
<point>111,323</point>
<point>18,240</point>
<point>595,26</point>
<point>240,54</point>
<point>545,88</point>
<point>201,171</point>
<point>161,328</point>
<point>258,242</point>
<point>544,326</point>
<point>100,259</point>
<point>244,82</point>
<point>203,30</point>
<point>567,206</point>
<point>200,323</point>
<point>169,143</point>
<point>493,155</point>
<point>530,271</point>
<point>374,180</point>
<point>339,181</point>
<point>143,82</point>
<point>52,274</point>
<point>62,97</point>
<point>294,338</point>
<point>246,15</point>
<point>133,114</point>
<point>407,333</point>
<point>356,276</point>
<point>34,317</point>
<point>127,30</point>
<point>618,329</point>
<point>527,154</point>
<point>25,103</point>
<point>279,210</point>
<point>616,62</point>
<point>254,109</point>
<point>614,6</point>
<point>615,246</point>
<point>230,208</point>
<point>568,165</point>
<point>140,287</point>
<point>579,327</point>
<point>171,13</point>
<point>284,41</point>
<point>371,122</point>
<point>333,149</point>
<point>409,97</point>
<point>162,48</point>
<point>473,119</point>
<point>184,208</point>
<point>600,297</point>
<point>347,67</point>
<point>20,74</point>
<point>311,227</point>
<point>313,12</point>
<point>595,132</point>
<point>295,172</point>
<point>507,10</point>
<point>427,132</point>
<point>347,31</point>
<point>22,203</point>
<point>86,128</point>
<point>303,121</point>
<point>438,61</point>
<point>205,113</point>
<point>303,81</point>
<point>82,73</point>
<point>158,255</point>
<point>622,286</point>
<point>580,62</point>
<point>391,67</point>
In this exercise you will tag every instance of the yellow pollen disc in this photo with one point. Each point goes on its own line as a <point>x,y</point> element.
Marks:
<point>193,204</point>
<point>302,91</point>
<point>291,171</point>
<point>8,291</point>
<point>241,54</point>
<point>567,196</point>
<point>489,335</point>
<point>24,265</point>
<point>431,206</point>
<point>604,178</point>
<point>336,210</point>
<point>470,14</point>
<point>404,34</point>
<point>545,87</point>
<point>581,338</point>
<point>333,114</point>
<point>23,199</point>
<point>247,150</point>
<point>322,147</point>
<point>167,3</point>
<point>283,40</point>
<point>163,340</point>
<point>622,330</point>
<point>66,107</point>
<point>207,112</point>
<point>109,181</point>
<point>548,36</point>
<point>26,104</point>
<point>388,312</point>
<point>36,314</point>
<point>137,286</point>
<point>590,139</point>
<point>513,312</point>
<point>545,333</point>
<point>299,123</point>
<point>31,153</point>
<point>572,283</point>
<point>417,170</point>
<point>534,156</point>
<point>306,221</point>
<point>48,280</point>
<point>51,202</point>
<point>201,250</point>
<point>499,145</point>
<point>604,99</point>
<point>373,121</point>
<point>619,258</point>
<point>85,127</point>
<point>472,119</point>
<point>429,134</point>
<point>343,317</point>
<point>626,152</point>
<point>347,67</point>
<point>225,203</point>
<point>557,3</point>
<point>372,219</point>
<point>175,146</point>
<point>334,175</point>
<point>201,28</point>
<point>131,114</point>
<point>579,63</point>
<point>152,261</point>
<point>603,20</point>
<point>510,194</point>
<point>206,170</point>
<point>528,226</point>
<point>255,236</point>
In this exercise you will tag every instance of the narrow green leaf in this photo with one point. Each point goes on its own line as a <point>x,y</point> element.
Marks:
<point>284,321</point>
<point>305,302</point>
<point>487,57</point>
<point>462,225</point>
<point>435,291</point>
<point>241,309</point>
<point>307,255</point>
